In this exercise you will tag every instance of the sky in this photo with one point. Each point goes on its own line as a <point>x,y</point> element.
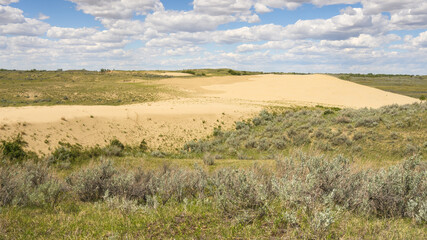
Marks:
<point>310,36</point>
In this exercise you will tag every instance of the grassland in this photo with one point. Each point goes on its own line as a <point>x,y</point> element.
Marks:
<point>309,173</point>
<point>45,88</point>
<point>409,85</point>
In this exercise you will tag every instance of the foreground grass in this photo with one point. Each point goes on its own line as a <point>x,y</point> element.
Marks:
<point>226,204</point>
<point>409,85</point>
<point>193,219</point>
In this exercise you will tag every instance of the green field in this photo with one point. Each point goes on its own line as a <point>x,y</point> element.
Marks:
<point>309,173</point>
<point>409,85</point>
<point>41,88</point>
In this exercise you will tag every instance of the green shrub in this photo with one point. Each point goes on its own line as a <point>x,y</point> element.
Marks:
<point>115,148</point>
<point>66,152</point>
<point>232,72</point>
<point>115,142</point>
<point>14,150</point>
<point>143,146</point>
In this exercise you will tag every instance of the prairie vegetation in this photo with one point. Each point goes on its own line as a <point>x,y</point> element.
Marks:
<point>375,135</point>
<point>410,85</point>
<point>80,87</point>
<point>311,173</point>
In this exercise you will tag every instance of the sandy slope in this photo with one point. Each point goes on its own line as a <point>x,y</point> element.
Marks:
<point>169,124</point>
<point>294,89</point>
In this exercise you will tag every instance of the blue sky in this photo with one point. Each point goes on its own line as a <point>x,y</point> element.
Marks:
<point>361,36</point>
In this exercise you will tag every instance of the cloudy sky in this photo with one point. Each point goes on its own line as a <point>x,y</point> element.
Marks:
<point>378,36</point>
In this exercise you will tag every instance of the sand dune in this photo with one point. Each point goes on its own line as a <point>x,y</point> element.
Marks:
<point>168,124</point>
<point>308,89</point>
<point>165,125</point>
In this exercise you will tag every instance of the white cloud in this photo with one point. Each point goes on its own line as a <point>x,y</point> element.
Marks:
<point>418,44</point>
<point>362,41</point>
<point>181,51</point>
<point>421,40</point>
<point>356,40</point>
<point>176,21</point>
<point>7,2</point>
<point>25,42</point>
<point>223,7</point>
<point>267,32</point>
<point>13,22</point>
<point>67,33</point>
<point>30,27</point>
<point>117,9</point>
<point>350,23</point>
<point>282,45</point>
<point>405,14</point>
<point>10,15</point>
<point>43,17</point>
<point>263,6</point>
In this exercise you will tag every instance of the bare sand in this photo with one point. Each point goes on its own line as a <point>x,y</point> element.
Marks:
<point>308,90</point>
<point>167,125</point>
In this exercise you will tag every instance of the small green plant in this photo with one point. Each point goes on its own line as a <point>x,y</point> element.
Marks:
<point>143,146</point>
<point>14,150</point>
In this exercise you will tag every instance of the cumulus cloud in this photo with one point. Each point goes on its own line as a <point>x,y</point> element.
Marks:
<point>67,33</point>
<point>175,21</point>
<point>411,43</point>
<point>117,9</point>
<point>357,39</point>
<point>267,32</point>
<point>43,17</point>
<point>350,23</point>
<point>13,22</point>
<point>404,14</point>
<point>421,40</point>
<point>362,41</point>
<point>223,7</point>
<point>7,2</point>
<point>10,15</point>
<point>282,45</point>
<point>263,6</point>
<point>28,42</point>
<point>30,27</point>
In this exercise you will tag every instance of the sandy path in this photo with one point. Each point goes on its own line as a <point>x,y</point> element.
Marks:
<point>169,124</point>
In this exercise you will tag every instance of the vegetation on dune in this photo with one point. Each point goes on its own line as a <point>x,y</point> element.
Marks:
<point>218,72</point>
<point>386,134</point>
<point>317,187</point>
